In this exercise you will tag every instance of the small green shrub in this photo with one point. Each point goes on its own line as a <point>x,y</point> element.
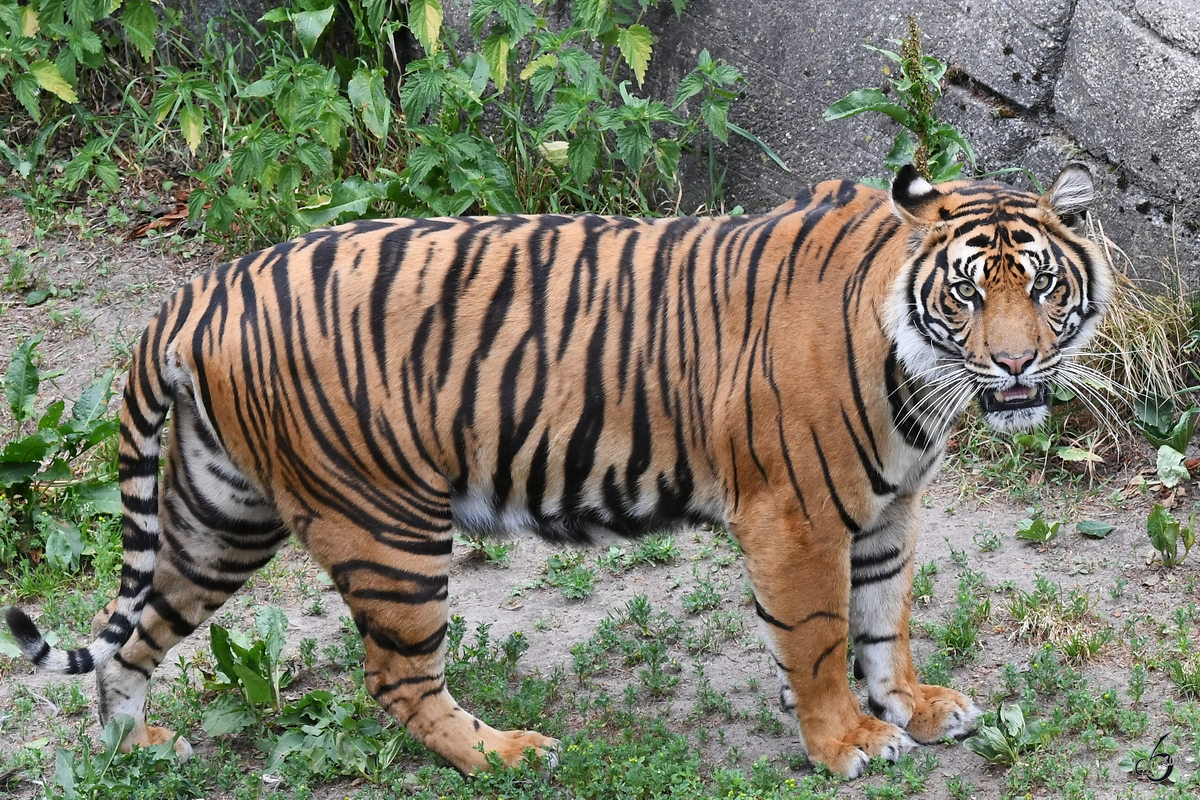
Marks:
<point>250,672</point>
<point>1167,534</point>
<point>1006,741</point>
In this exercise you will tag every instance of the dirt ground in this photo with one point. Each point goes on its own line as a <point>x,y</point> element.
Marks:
<point>107,290</point>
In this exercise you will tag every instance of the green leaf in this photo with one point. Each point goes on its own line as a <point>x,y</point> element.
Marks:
<point>21,380</point>
<point>1171,469</point>
<point>92,402</point>
<point>750,137</point>
<point>115,732</point>
<point>715,112</point>
<point>544,60</point>
<point>636,43</point>
<point>1163,530</point>
<point>425,21</point>
<point>64,543</point>
<point>495,53</point>
<point>226,714</point>
<point>633,143</point>
<point>1094,529</point>
<point>257,689</point>
<point>276,15</point>
<point>64,773</point>
<point>861,100</point>
<point>589,14</point>
<point>106,171</point>
<point>309,27</point>
<point>1184,429</point>
<point>691,85</point>
<point>141,27</point>
<point>666,158</point>
<point>271,624</point>
<point>349,200</point>
<point>103,496</point>
<point>368,94</point>
<point>51,79</point>
<point>51,416</point>
<point>1077,454</point>
<point>1155,413</point>
<point>8,644</point>
<point>264,87</point>
<point>222,651</point>
<point>25,87</point>
<point>1035,440</point>
<point>582,153</point>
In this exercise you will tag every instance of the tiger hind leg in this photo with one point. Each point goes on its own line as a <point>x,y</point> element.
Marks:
<point>217,530</point>
<point>396,587</point>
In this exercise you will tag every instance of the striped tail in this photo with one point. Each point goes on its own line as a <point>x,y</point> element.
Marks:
<point>148,396</point>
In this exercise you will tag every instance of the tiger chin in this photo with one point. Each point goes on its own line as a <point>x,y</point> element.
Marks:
<point>792,375</point>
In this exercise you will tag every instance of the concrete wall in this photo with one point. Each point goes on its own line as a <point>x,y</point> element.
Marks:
<point>1112,83</point>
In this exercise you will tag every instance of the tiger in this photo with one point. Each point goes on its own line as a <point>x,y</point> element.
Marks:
<point>793,376</point>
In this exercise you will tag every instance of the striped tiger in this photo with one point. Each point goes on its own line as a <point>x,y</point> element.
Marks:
<point>792,375</point>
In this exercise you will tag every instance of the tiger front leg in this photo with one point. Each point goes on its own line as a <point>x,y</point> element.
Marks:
<point>800,571</point>
<point>880,604</point>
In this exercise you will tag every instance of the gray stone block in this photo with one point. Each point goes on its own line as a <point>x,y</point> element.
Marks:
<point>1127,96</point>
<point>1177,21</point>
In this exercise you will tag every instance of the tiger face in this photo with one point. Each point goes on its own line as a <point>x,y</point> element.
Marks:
<point>1001,290</point>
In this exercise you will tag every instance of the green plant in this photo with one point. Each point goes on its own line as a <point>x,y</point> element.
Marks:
<point>1006,741</point>
<point>250,673</point>
<point>570,575</point>
<point>39,465</point>
<point>1156,421</point>
<point>112,774</point>
<point>925,141</point>
<point>703,597</point>
<point>334,735</point>
<point>958,637</point>
<point>490,550</point>
<point>1166,534</point>
<point>1037,530</point>
<point>923,582</point>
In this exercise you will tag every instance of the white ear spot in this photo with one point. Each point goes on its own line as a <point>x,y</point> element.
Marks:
<point>919,188</point>
<point>911,194</point>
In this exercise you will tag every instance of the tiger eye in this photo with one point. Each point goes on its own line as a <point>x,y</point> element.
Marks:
<point>1042,283</point>
<point>965,289</point>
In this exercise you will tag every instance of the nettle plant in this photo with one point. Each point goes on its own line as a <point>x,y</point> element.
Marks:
<point>933,146</point>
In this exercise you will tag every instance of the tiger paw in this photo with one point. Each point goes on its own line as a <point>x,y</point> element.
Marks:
<point>942,713</point>
<point>849,754</point>
<point>155,735</point>
<point>514,744</point>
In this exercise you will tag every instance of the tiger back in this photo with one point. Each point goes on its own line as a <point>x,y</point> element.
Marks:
<point>793,376</point>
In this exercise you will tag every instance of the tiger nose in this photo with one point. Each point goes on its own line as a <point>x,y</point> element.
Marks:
<point>1015,364</point>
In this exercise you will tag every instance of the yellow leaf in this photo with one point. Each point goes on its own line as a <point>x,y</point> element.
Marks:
<point>545,60</point>
<point>50,79</point>
<point>29,22</point>
<point>191,124</point>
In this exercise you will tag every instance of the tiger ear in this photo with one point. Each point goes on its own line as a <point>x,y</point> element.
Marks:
<point>913,197</point>
<point>1071,194</point>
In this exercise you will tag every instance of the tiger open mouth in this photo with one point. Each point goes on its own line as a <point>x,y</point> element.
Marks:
<point>1012,398</point>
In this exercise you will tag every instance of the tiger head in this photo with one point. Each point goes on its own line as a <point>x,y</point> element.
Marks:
<point>1000,291</point>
